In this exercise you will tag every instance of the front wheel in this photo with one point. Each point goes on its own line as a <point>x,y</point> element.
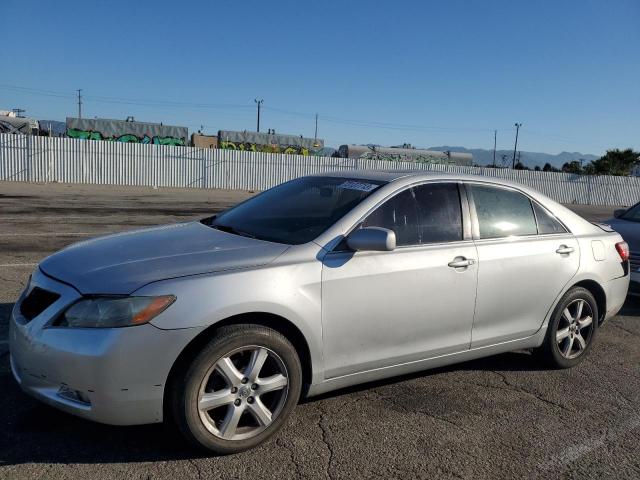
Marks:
<point>238,391</point>
<point>571,329</point>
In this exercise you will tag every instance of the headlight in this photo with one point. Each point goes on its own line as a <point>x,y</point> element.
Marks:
<point>107,312</point>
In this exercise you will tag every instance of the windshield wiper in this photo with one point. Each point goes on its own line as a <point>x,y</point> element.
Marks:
<point>230,229</point>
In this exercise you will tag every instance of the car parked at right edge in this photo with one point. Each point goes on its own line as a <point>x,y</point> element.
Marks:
<point>627,223</point>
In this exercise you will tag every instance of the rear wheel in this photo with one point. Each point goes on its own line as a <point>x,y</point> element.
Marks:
<point>238,391</point>
<point>571,329</point>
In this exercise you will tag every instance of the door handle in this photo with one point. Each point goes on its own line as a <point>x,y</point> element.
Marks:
<point>563,249</point>
<point>461,262</point>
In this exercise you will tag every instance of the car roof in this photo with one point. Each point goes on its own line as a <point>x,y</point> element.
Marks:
<point>412,175</point>
<point>406,177</point>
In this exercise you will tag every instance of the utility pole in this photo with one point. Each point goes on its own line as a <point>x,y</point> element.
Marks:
<point>495,137</point>
<point>258,102</point>
<point>79,103</point>
<point>315,135</point>
<point>513,162</point>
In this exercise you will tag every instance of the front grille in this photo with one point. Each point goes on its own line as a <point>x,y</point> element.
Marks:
<point>634,260</point>
<point>37,302</point>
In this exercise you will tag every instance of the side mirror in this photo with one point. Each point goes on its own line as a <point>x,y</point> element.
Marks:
<point>619,212</point>
<point>373,239</point>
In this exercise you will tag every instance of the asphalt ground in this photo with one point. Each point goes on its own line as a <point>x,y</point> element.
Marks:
<point>500,417</point>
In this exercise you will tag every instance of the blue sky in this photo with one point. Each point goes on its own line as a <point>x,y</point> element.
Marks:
<point>428,73</point>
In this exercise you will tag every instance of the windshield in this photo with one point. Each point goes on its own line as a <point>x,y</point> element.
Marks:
<point>297,211</point>
<point>632,214</point>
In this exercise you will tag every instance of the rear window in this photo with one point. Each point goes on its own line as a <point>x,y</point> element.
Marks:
<point>633,214</point>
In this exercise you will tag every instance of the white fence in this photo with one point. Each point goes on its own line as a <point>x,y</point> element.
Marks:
<point>42,159</point>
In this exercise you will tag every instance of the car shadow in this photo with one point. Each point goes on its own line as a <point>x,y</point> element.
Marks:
<point>31,432</point>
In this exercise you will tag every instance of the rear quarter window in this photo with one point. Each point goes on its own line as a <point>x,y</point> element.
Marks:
<point>547,223</point>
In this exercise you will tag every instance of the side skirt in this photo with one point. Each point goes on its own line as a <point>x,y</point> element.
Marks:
<point>533,341</point>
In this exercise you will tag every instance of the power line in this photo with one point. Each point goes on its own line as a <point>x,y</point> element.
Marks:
<point>120,100</point>
<point>169,103</point>
<point>327,119</point>
<point>373,124</point>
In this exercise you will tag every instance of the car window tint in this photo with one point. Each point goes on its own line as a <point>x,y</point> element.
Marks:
<point>547,224</point>
<point>399,214</point>
<point>297,211</point>
<point>439,213</point>
<point>502,212</point>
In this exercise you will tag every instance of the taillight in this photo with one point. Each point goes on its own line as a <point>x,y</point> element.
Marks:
<point>623,250</point>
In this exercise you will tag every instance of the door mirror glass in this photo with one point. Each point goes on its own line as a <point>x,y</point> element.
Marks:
<point>373,239</point>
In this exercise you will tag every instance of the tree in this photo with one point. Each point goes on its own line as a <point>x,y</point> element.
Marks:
<point>615,162</point>
<point>572,167</point>
<point>537,168</point>
<point>549,168</point>
<point>589,169</point>
<point>521,166</point>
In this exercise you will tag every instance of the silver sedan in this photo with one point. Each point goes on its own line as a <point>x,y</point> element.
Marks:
<point>319,283</point>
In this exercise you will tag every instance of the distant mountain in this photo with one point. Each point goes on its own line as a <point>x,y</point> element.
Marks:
<point>530,159</point>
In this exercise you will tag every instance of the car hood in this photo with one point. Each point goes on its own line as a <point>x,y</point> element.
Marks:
<point>122,263</point>
<point>630,232</point>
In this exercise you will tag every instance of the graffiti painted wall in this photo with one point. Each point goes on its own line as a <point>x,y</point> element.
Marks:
<point>394,154</point>
<point>126,132</point>
<point>268,143</point>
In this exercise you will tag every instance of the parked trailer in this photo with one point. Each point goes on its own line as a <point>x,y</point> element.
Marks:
<point>269,143</point>
<point>395,154</point>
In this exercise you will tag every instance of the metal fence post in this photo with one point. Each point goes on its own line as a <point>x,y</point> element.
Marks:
<point>29,160</point>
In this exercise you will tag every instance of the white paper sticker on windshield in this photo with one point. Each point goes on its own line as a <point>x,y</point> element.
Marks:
<point>363,187</point>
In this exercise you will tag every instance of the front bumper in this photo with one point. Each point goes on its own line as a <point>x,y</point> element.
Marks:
<point>112,375</point>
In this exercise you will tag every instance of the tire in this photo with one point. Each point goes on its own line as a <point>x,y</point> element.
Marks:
<point>568,338</point>
<point>216,378</point>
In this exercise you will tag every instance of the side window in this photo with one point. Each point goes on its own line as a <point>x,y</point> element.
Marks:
<point>547,224</point>
<point>439,212</point>
<point>399,214</point>
<point>502,212</point>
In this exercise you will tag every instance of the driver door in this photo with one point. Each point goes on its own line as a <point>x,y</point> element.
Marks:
<point>381,309</point>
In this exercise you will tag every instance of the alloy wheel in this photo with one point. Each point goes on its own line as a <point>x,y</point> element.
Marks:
<point>575,329</point>
<point>243,393</point>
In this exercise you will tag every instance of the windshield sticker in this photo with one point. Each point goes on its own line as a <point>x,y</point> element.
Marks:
<point>363,187</point>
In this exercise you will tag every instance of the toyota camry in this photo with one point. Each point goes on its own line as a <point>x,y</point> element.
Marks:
<point>222,325</point>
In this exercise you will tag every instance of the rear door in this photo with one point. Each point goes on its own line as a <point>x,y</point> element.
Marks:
<point>382,309</point>
<point>526,257</point>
